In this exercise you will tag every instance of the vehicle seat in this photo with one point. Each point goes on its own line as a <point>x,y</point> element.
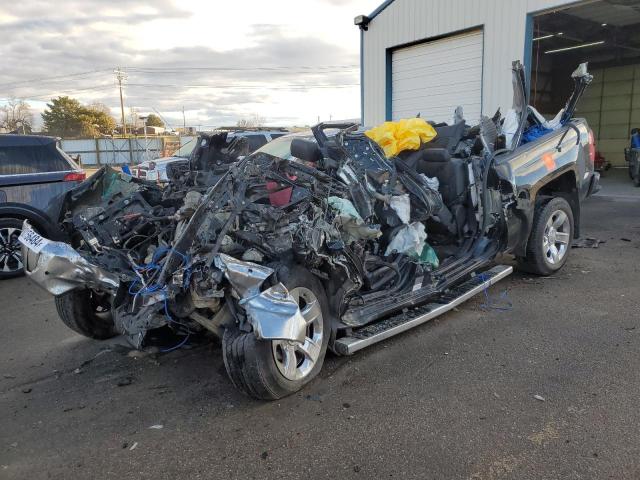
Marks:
<point>448,137</point>
<point>450,172</point>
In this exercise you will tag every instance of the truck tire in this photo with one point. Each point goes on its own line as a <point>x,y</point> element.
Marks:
<point>272,369</point>
<point>10,252</point>
<point>550,239</point>
<point>86,312</point>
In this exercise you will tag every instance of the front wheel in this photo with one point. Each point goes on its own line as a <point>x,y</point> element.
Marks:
<point>272,369</point>
<point>550,239</point>
<point>87,312</point>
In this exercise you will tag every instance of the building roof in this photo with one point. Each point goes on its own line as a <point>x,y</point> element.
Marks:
<point>380,8</point>
<point>12,140</point>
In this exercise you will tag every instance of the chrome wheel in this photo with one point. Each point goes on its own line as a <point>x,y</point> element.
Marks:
<point>10,253</point>
<point>555,241</point>
<point>294,360</point>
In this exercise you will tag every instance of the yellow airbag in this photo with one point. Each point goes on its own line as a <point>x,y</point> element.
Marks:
<point>407,134</point>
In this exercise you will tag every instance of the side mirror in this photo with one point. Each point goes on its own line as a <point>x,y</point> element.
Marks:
<point>305,150</point>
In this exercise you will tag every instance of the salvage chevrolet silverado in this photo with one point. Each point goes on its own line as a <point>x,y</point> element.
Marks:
<point>323,247</point>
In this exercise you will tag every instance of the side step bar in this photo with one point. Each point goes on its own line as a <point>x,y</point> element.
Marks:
<point>376,332</point>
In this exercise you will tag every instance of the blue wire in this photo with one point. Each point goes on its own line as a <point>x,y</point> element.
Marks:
<point>150,289</point>
<point>154,267</point>
<point>506,306</point>
<point>176,347</point>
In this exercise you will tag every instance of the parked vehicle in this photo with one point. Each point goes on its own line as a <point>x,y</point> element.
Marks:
<point>156,170</point>
<point>632,157</point>
<point>33,171</point>
<point>287,253</point>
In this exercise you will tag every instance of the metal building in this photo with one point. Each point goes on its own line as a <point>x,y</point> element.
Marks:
<point>428,56</point>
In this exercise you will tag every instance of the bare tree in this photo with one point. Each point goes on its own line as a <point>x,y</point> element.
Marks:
<point>254,121</point>
<point>16,115</point>
<point>100,107</point>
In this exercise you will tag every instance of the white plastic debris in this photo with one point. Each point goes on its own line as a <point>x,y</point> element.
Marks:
<point>401,204</point>
<point>510,126</point>
<point>539,398</point>
<point>432,182</point>
<point>135,444</point>
<point>409,240</point>
<point>156,427</point>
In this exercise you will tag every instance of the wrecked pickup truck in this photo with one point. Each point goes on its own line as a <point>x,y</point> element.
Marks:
<point>324,246</point>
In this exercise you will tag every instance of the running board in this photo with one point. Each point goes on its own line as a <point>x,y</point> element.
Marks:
<point>376,332</point>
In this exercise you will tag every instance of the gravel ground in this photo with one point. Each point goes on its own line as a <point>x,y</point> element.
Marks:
<point>547,389</point>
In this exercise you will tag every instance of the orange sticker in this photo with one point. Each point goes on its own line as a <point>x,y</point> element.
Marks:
<point>549,162</point>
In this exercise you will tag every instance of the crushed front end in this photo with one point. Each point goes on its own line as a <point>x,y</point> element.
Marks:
<point>211,248</point>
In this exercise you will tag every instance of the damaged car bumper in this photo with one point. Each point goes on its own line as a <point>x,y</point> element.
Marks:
<point>58,268</point>
<point>273,313</point>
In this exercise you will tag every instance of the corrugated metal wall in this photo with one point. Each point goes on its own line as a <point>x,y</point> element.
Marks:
<point>406,21</point>
<point>612,107</point>
<point>104,151</point>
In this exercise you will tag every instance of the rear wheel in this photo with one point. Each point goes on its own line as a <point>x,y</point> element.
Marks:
<point>10,252</point>
<point>87,312</point>
<point>550,240</point>
<point>272,369</point>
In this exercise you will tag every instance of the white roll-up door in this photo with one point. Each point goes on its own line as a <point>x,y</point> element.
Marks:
<point>433,78</point>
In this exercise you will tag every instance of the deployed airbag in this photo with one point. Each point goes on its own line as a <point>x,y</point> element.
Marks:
<point>395,137</point>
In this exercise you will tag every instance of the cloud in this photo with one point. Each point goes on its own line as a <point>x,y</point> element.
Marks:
<point>72,48</point>
<point>338,2</point>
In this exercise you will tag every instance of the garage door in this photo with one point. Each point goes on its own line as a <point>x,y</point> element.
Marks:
<point>433,78</point>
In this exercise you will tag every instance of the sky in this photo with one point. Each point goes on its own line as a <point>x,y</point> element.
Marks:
<point>289,61</point>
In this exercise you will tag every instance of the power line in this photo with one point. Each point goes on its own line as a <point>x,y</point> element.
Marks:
<point>292,68</point>
<point>188,72</point>
<point>272,68</point>
<point>236,86</point>
<point>46,79</point>
<point>96,88</point>
<point>41,97</point>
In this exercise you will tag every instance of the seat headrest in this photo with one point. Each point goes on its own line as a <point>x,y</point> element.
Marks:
<point>448,137</point>
<point>306,150</point>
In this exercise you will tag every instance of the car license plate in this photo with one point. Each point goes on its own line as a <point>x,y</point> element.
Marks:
<point>32,240</point>
<point>152,175</point>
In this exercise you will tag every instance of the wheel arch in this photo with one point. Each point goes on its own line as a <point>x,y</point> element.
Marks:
<point>38,218</point>
<point>563,185</point>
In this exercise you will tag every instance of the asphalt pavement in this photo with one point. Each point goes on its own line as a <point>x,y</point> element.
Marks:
<point>542,384</point>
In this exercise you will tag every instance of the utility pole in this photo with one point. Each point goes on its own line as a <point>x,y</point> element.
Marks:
<point>184,122</point>
<point>120,76</point>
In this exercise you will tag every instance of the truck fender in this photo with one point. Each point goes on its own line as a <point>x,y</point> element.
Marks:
<point>560,184</point>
